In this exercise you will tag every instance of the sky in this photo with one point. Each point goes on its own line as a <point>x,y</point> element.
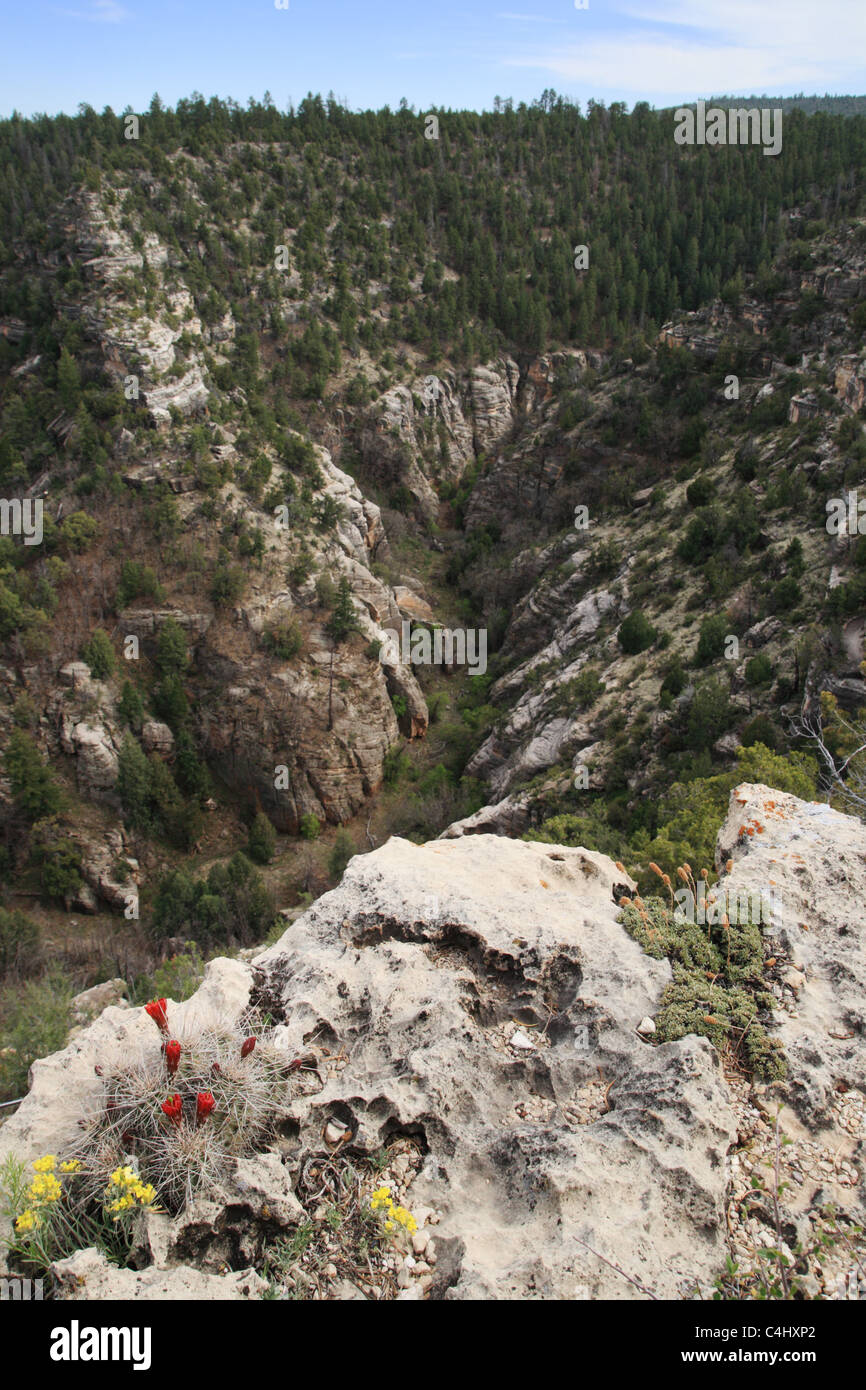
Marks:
<point>55,54</point>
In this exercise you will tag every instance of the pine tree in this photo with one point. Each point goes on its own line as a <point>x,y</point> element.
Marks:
<point>172,656</point>
<point>36,793</point>
<point>130,706</point>
<point>262,840</point>
<point>133,783</point>
<point>99,655</point>
<point>68,381</point>
<point>342,621</point>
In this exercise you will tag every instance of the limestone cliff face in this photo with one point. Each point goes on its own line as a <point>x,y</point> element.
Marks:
<point>295,737</point>
<point>305,736</point>
<point>169,374</point>
<point>436,426</point>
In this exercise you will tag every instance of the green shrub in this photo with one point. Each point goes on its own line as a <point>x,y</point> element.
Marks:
<point>283,640</point>
<point>636,634</point>
<point>395,766</point>
<point>761,730</point>
<point>133,783</point>
<point>309,827</point>
<point>343,619</point>
<point>585,688</point>
<point>326,589</point>
<point>136,581</point>
<point>710,715</point>
<point>230,907</point>
<point>34,1021</point>
<point>701,491</point>
<point>227,585</point>
<point>785,595</point>
<point>35,792</point>
<point>171,657</point>
<point>262,840</point>
<point>99,655</point>
<point>759,670</point>
<point>170,702</point>
<point>342,852</point>
<point>20,944</point>
<point>711,640</point>
<point>61,870</point>
<point>130,706</point>
<point>78,532</point>
<point>190,772</point>
<point>674,683</point>
<point>691,813</point>
<point>176,978</point>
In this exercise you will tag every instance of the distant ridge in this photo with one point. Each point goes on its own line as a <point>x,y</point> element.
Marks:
<point>832,106</point>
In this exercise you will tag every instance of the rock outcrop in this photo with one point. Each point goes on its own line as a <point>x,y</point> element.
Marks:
<point>483,1001</point>
<point>426,964</point>
<point>139,346</point>
<point>89,1276</point>
<point>809,861</point>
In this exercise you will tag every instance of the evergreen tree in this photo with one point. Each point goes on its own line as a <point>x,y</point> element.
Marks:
<point>130,706</point>
<point>262,840</point>
<point>172,656</point>
<point>99,655</point>
<point>133,783</point>
<point>68,381</point>
<point>35,792</point>
<point>342,621</point>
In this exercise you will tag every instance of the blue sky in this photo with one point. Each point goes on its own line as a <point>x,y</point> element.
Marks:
<point>460,53</point>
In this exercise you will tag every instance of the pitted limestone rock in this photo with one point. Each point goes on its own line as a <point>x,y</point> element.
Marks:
<point>809,863</point>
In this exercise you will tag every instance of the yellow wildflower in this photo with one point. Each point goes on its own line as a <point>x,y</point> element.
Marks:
<point>71,1165</point>
<point>405,1218</point>
<point>27,1221</point>
<point>45,1187</point>
<point>395,1216</point>
<point>44,1165</point>
<point>128,1190</point>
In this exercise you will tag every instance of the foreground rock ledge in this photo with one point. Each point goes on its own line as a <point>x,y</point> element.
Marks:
<point>488,1003</point>
<point>427,965</point>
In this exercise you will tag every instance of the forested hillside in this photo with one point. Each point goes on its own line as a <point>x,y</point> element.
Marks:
<point>286,383</point>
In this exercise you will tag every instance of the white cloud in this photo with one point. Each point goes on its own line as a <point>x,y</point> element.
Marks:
<point>530,18</point>
<point>100,12</point>
<point>736,47</point>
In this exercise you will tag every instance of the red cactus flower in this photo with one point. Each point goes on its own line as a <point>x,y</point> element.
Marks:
<point>248,1047</point>
<point>156,1010</point>
<point>204,1104</point>
<point>173,1108</point>
<point>172,1056</point>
